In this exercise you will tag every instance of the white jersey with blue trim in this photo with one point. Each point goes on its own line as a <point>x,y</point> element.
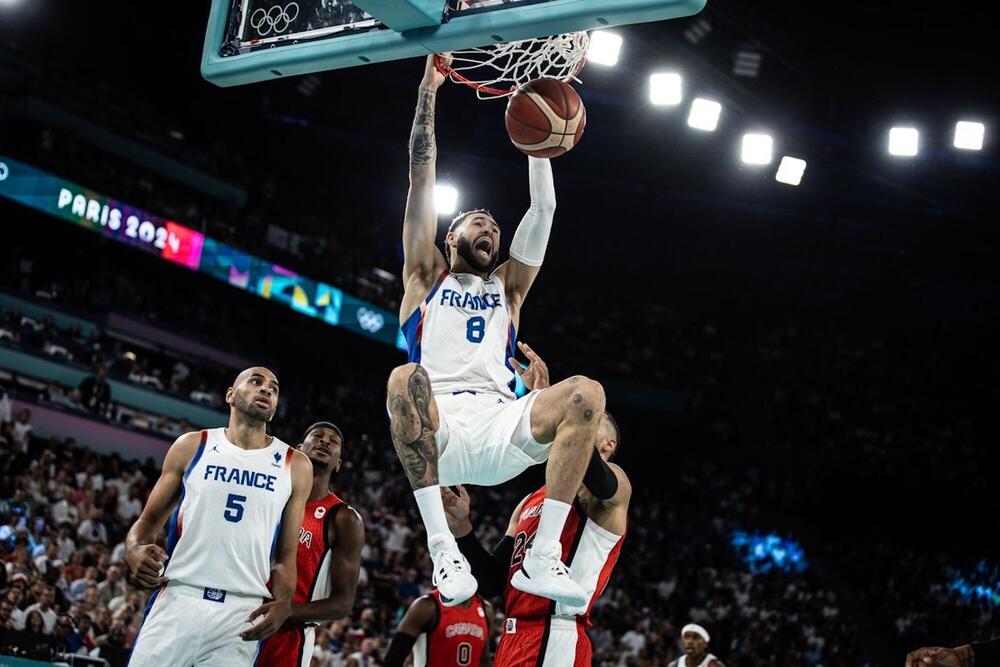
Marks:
<point>225,528</point>
<point>463,336</point>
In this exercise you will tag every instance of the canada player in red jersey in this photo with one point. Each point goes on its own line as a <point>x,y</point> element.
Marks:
<point>539,632</point>
<point>441,636</point>
<point>329,556</point>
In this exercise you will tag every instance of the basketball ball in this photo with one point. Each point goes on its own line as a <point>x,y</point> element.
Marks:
<point>545,118</point>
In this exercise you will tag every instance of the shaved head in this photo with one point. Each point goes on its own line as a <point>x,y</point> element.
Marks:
<point>254,394</point>
<point>267,373</point>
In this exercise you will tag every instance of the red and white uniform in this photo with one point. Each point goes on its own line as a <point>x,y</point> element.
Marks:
<point>458,639</point>
<point>539,632</point>
<point>292,646</point>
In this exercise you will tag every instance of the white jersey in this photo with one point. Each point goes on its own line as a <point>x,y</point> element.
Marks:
<point>225,528</point>
<point>682,661</point>
<point>463,336</point>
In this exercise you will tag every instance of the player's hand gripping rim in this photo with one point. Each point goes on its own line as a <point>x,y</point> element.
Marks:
<point>275,613</point>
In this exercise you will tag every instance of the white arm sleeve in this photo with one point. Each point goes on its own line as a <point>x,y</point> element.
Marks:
<point>532,235</point>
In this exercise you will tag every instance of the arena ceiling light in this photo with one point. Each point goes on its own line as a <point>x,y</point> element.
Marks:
<point>790,170</point>
<point>969,135</point>
<point>665,89</point>
<point>704,114</point>
<point>445,199</point>
<point>605,48</point>
<point>904,141</point>
<point>758,149</point>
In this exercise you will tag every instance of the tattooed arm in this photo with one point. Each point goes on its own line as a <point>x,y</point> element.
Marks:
<point>422,261</point>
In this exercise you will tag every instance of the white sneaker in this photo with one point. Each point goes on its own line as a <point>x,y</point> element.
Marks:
<point>452,573</point>
<point>544,574</point>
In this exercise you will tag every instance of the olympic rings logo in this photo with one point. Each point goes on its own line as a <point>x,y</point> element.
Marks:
<point>276,19</point>
<point>4,172</point>
<point>370,321</point>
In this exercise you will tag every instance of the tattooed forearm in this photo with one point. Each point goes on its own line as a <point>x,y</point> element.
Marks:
<point>413,430</point>
<point>423,148</point>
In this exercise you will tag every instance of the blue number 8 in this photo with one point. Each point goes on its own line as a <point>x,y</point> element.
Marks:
<point>234,508</point>
<point>475,330</point>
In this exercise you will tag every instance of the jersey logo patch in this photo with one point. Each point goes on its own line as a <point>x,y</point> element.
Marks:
<point>277,460</point>
<point>320,512</point>
<point>511,627</point>
<point>215,595</point>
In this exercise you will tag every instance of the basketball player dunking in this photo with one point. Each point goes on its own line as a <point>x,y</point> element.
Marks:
<point>329,556</point>
<point>537,631</point>
<point>239,495</point>
<point>440,636</point>
<point>454,416</point>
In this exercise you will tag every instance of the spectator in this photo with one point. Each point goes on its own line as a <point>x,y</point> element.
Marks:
<point>95,392</point>
<point>93,530</point>
<point>112,586</point>
<point>365,657</point>
<point>5,406</point>
<point>44,608</point>
<point>22,430</point>
<point>130,506</point>
<point>34,623</point>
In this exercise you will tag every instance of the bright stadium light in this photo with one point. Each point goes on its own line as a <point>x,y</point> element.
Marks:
<point>904,141</point>
<point>605,48</point>
<point>757,149</point>
<point>665,89</point>
<point>790,170</point>
<point>969,136</point>
<point>445,199</point>
<point>704,115</point>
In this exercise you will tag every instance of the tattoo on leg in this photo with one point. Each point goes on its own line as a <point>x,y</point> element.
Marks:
<point>413,433</point>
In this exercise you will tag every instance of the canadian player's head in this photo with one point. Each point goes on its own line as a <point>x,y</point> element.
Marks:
<point>609,437</point>
<point>694,639</point>
<point>473,242</point>
<point>254,394</point>
<point>323,443</point>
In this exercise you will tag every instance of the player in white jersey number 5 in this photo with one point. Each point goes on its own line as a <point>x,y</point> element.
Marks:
<point>454,416</point>
<point>226,579</point>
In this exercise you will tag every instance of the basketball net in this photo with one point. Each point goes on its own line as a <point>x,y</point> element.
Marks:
<point>497,71</point>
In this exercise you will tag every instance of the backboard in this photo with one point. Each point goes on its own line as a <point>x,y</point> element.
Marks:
<point>258,40</point>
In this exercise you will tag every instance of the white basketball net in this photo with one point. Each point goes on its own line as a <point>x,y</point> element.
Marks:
<point>497,71</point>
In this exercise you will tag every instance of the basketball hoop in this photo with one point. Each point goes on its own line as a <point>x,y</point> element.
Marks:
<point>497,71</point>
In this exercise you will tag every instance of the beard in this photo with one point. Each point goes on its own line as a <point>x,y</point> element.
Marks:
<point>465,251</point>
<point>248,408</point>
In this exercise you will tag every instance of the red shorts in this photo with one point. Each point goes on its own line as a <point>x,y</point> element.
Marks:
<point>288,647</point>
<point>562,642</point>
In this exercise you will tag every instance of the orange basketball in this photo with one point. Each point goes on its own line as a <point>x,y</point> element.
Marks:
<point>545,118</point>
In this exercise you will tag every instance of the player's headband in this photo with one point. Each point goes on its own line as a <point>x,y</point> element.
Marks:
<point>329,425</point>
<point>697,629</point>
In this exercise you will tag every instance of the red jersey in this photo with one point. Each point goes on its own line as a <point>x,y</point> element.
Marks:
<point>458,639</point>
<point>292,645</point>
<point>313,559</point>
<point>589,550</point>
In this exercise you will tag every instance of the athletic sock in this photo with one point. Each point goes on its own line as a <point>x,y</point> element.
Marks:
<point>550,526</point>
<point>432,513</point>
